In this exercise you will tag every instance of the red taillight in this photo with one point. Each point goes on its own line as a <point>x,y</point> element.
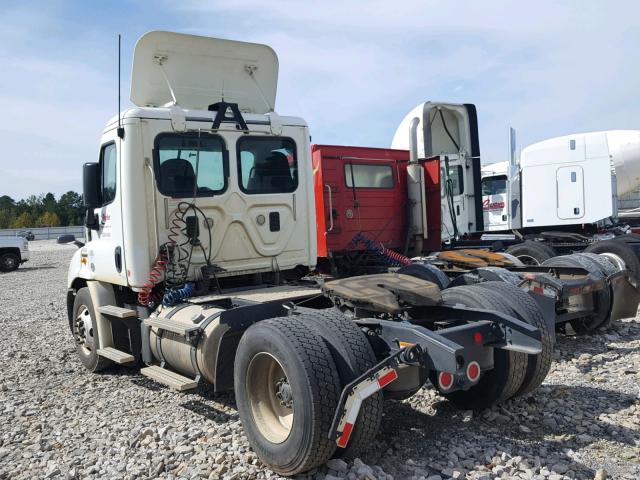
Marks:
<point>387,378</point>
<point>477,337</point>
<point>473,371</point>
<point>445,381</point>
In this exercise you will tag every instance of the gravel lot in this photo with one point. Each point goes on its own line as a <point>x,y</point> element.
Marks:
<point>57,421</point>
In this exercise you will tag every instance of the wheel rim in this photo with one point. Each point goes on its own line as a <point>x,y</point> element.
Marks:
<point>528,260</point>
<point>9,262</point>
<point>270,397</point>
<point>616,260</point>
<point>84,330</point>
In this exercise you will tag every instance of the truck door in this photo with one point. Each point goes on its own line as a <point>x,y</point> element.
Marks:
<point>570,192</point>
<point>106,246</point>
<point>367,195</point>
<point>494,203</point>
<point>454,209</point>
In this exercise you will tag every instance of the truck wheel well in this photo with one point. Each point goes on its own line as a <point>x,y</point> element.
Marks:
<point>10,250</point>
<point>76,285</point>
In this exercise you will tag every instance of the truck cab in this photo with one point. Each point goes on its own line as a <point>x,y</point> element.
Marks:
<point>203,131</point>
<point>448,132</point>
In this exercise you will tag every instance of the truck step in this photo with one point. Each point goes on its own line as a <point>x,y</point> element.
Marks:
<point>117,356</point>
<point>169,325</point>
<point>118,312</point>
<point>171,379</point>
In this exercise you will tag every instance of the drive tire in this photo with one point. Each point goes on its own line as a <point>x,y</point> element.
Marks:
<point>509,368</point>
<point>605,265</point>
<point>538,365</point>
<point>620,249</point>
<point>9,262</point>
<point>604,297</point>
<point>353,356</point>
<point>427,272</point>
<point>82,306</point>
<point>313,385</point>
<point>531,253</point>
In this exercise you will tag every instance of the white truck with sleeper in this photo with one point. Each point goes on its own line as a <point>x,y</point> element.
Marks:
<point>562,194</point>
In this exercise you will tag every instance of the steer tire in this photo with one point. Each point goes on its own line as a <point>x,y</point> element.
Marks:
<point>353,356</point>
<point>9,262</point>
<point>83,305</point>
<point>531,253</point>
<point>620,249</point>
<point>528,311</point>
<point>426,272</point>
<point>283,355</point>
<point>604,297</point>
<point>509,368</point>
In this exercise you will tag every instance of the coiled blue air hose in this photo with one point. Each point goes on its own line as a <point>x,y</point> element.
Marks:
<point>173,296</point>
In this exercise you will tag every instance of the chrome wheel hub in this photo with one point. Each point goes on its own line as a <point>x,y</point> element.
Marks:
<point>616,260</point>
<point>84,330</point>
<point>270,397</point>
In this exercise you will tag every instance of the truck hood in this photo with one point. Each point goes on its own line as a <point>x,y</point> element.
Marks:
<point>195,72</point>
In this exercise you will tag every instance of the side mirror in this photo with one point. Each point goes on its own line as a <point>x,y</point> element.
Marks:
<point>69,238</point>
<point>90,183</point>
<point>90,192</point>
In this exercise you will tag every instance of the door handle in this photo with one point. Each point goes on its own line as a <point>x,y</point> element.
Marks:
<point>118,259</point>
<point>328,187</point>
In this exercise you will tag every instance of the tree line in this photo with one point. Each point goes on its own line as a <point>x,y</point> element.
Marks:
<point>42,211</point>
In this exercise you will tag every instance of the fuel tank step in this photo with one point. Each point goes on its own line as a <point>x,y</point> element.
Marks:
<point>171,379</point>
<point>118,312</point>
<point>117,356</point>
<point>169,325</point>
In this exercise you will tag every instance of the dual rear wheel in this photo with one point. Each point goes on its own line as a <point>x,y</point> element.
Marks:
<point>289,373</point>
<point>513,373</point>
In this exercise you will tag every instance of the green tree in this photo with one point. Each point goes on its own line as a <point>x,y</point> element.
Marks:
<point>7,211</point>
<point>48,219</point>
<point>70,208</point>
<point>7,217</point>
<point>24,220</point>
<point>49,202</point>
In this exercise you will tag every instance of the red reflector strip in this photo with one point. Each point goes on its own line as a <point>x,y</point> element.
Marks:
<point>538,290</point>
<point>387,378</point>
<point>346,433</point>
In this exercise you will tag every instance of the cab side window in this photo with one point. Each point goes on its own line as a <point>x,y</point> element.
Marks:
<point>108,173</point>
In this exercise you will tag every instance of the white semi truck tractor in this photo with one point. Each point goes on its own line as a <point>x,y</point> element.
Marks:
<point>201,265</point>
<point>561,196</point>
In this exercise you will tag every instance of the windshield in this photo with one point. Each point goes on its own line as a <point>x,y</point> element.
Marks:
<point>494,185</point>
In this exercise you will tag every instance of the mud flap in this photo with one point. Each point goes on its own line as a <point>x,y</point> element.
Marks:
<point>626,295</point>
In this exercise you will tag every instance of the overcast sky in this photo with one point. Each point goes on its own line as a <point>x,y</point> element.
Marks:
<point>351,69</point>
